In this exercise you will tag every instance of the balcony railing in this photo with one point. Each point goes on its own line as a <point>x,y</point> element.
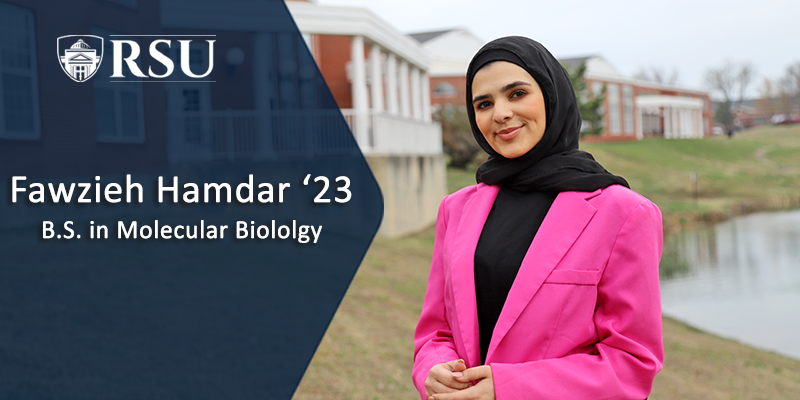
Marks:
<point>252,135</point>
<point>391,134</point>
<point>247,134</point>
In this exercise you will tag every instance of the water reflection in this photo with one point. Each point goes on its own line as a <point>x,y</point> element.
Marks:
<point>739,279</point>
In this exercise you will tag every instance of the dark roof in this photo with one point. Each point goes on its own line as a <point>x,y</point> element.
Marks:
<point>574,62</point>
<point>423,37</point>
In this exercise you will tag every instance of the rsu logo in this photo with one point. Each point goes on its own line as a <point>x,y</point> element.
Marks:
<point>80,61</point>
<point>158,56</point>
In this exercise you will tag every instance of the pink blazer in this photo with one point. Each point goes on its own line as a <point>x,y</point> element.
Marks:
<point>583,317</point>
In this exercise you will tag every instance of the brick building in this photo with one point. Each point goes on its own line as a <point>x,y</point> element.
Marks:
<point>634,109</point>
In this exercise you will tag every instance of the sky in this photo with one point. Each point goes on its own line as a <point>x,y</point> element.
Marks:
<point>688,35</point>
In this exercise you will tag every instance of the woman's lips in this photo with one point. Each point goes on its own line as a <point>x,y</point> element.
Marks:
<point>508,133</point>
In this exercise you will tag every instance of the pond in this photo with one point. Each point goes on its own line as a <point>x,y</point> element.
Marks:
<point>739,279</point>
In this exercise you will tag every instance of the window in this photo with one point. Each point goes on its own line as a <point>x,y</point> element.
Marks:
<point>193,130</point>
<point>19,80</point>
<point>119,107</point>
<point>627,104</point>
<point>598,89</point>
<point>612,91</point>
<point>444,89</point>
<point>190,103</point>
<point>191,100</point>
<point>651,122</point>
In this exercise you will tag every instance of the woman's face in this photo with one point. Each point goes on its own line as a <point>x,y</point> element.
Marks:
<point>509,108</point>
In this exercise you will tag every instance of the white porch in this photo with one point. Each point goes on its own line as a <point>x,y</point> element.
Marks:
<point>391,111</point>
<point>681,117</point>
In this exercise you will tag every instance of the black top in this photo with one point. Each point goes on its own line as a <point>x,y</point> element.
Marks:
<point>531,182</point>
<point>509,230</point>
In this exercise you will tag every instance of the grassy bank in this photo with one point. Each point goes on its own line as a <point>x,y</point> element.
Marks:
<point>756,170</point>
<point>366,353</point>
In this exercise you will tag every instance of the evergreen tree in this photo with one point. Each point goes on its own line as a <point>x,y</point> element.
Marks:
<point>590,104</point>
<point>459,144</point>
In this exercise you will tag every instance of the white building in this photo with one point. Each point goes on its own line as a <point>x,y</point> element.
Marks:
<point>377,75</point>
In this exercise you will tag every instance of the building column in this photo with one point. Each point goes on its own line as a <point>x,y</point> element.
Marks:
<point>376,78</point>
<point>426,97</point>
<point>416,95</point>
<point>405,100</point>
<point>696,125</point>
<point>667,122</point>
<point>676,123</point>
<point>359,91</point>
<point>391,84</point>
<point>687,123</point>
<point>639,123</point>
<point>263,90</point>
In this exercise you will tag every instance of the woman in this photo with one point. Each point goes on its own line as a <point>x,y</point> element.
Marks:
<point>544,280</point>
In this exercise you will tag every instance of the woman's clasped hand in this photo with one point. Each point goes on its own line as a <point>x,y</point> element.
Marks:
<point>454,381</point>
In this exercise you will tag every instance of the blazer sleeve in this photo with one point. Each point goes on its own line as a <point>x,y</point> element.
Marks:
<point>630,350</point>
<point>433,339</point>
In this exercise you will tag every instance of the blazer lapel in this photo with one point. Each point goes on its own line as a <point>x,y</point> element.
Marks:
<point>568,216</point>
<point>463,268</point>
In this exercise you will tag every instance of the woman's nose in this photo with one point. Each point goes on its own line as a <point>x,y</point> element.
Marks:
<point>502,112</point>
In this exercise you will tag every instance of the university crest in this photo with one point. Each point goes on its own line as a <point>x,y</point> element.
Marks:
<point>77,57</point>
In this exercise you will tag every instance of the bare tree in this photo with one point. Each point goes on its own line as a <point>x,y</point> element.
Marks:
<point>657,75</point>
<point>730,81</point>
<point>790,85</point>
<point>767,94</point>
<point>744,78</point>
<point>767,88</point>
<point>785,95</point>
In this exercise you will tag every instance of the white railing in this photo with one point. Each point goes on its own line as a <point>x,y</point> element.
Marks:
<point>391,134</point>
<point>244,135</point>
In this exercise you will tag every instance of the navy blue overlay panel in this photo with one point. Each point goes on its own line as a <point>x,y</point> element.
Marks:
<point>183,204</point>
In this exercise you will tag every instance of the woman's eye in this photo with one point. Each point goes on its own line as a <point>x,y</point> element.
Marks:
<point>483,105</point>
<point>518,93</point>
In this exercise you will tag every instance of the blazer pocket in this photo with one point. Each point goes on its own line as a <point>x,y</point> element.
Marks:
<point>573,277</point>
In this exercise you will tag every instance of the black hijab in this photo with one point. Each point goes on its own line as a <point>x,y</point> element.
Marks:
<point>555,164</point>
